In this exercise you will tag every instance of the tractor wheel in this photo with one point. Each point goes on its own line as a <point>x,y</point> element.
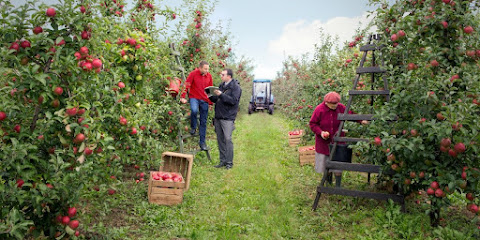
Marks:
<point>250,108</point>
<point>270,109</point>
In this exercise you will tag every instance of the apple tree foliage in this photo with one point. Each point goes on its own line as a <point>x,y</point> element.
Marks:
<point>428,132</point>
<point>83,95</point>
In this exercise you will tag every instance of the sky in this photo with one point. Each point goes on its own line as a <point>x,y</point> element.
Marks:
<point>268,31</point>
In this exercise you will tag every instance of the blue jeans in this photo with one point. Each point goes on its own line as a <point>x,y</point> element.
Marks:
<point>196,106</point>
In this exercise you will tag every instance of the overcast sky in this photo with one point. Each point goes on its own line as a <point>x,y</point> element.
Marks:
<point>267,31</point>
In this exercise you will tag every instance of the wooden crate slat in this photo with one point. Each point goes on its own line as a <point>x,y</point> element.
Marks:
<point>361,70</point>
<point>356,167</point>
<point>355,193</point>
<point>369,92</point>
<point>354,117</point>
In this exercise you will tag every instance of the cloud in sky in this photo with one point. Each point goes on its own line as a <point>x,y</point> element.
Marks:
<point>298,38</point>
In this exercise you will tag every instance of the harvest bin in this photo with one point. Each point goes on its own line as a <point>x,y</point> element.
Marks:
<point>306,155</point>
<point>294,137</point>
<point>171,193</point>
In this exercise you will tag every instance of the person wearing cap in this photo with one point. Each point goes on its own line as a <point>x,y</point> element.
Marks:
<point>324,124</point>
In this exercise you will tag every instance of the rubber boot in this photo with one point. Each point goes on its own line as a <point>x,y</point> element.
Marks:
<point>329,178</point>
<point>338,181</point>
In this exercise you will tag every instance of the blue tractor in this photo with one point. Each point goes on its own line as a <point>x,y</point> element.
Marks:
<point>262,97</point>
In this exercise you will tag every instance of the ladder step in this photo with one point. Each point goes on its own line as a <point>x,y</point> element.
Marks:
<point>368,47</point>
<point>357,167</point>
<point>355,193</point>
<point>179,68</point>
<point>345,139</point>
<point>175,53</point>
<point>361,70</point>
<point>354,117</point>
<point>369,92</point>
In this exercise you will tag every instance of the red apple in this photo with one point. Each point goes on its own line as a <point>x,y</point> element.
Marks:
<point>17,128</point>
<point>83,51</point>
<point>111,191</point>
<point>459,147</point>
<point>65,220</point>
<point>430,191</point>
<point>82,9</point>
<point>394,37</point>
<point>71,111</point>
<point>444,24</point>
<point>72,211</point>
<point>434,63</point>
<point>88,151</point>
<point>468,29</point>
<point>50,12</point>
<point>73,224</point>
<point>79,138</point>
<point>439,193</point>
<point>378,141</point>
<point>134,131</point>
<point>97,63</point>
<point>413,174</point>
<point>446,142</point>
<point>464,175</point>
<point>132,41</point>
<point>25,44</point>
<point>37,30</point>
<point>401,33</point>
<point>58,91</point>
<point>440,116</point>
<point>3,116</point>
<point>434,185</point>
<point>421,175</point>
<point>121,84</point>
<point>452,153</point>
<point>470,196</point>
<point>20,183</point>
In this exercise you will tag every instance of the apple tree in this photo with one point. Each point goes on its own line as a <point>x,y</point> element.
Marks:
<point>428,133</point>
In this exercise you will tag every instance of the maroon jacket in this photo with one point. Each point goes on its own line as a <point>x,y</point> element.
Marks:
<point>325,119</point>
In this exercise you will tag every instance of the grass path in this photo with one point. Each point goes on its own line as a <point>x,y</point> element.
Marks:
<point>266,195</point>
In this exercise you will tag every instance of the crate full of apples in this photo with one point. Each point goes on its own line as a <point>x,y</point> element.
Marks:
<point>294,137</point>
<point>306,155</point>
<point>167,186</point>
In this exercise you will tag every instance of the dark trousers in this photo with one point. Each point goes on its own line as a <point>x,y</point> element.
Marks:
<point>224,129</point>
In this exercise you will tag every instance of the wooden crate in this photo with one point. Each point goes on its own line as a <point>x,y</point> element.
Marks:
<point>294,137</point>
<point>164,195</point>
<point>306,155</point>
<point>171,193</point>
<point>180,163</point>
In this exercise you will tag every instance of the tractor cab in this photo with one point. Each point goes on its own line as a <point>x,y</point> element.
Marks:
<point>262,97</point>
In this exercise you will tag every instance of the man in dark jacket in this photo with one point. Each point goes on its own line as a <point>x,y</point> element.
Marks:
<point>226,100</point>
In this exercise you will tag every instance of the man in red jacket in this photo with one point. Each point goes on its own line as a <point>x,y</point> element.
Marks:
<point>195,85</point>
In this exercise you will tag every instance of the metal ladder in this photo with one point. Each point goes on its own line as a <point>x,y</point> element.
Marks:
<point>367,168</point>
<point>181,135</point>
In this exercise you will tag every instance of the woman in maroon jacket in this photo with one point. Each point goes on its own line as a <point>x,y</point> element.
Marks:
<point>324,124</point>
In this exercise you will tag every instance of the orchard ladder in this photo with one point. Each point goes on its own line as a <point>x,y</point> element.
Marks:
<point>374,70</point>
<point>181,135</point>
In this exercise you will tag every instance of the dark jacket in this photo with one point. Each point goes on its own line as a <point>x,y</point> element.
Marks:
<point>226,105</point>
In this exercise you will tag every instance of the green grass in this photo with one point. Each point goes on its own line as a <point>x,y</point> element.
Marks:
<point>266,195</point>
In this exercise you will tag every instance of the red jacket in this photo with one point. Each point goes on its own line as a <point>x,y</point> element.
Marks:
<point>325,119</point>
<point>195,85</point>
